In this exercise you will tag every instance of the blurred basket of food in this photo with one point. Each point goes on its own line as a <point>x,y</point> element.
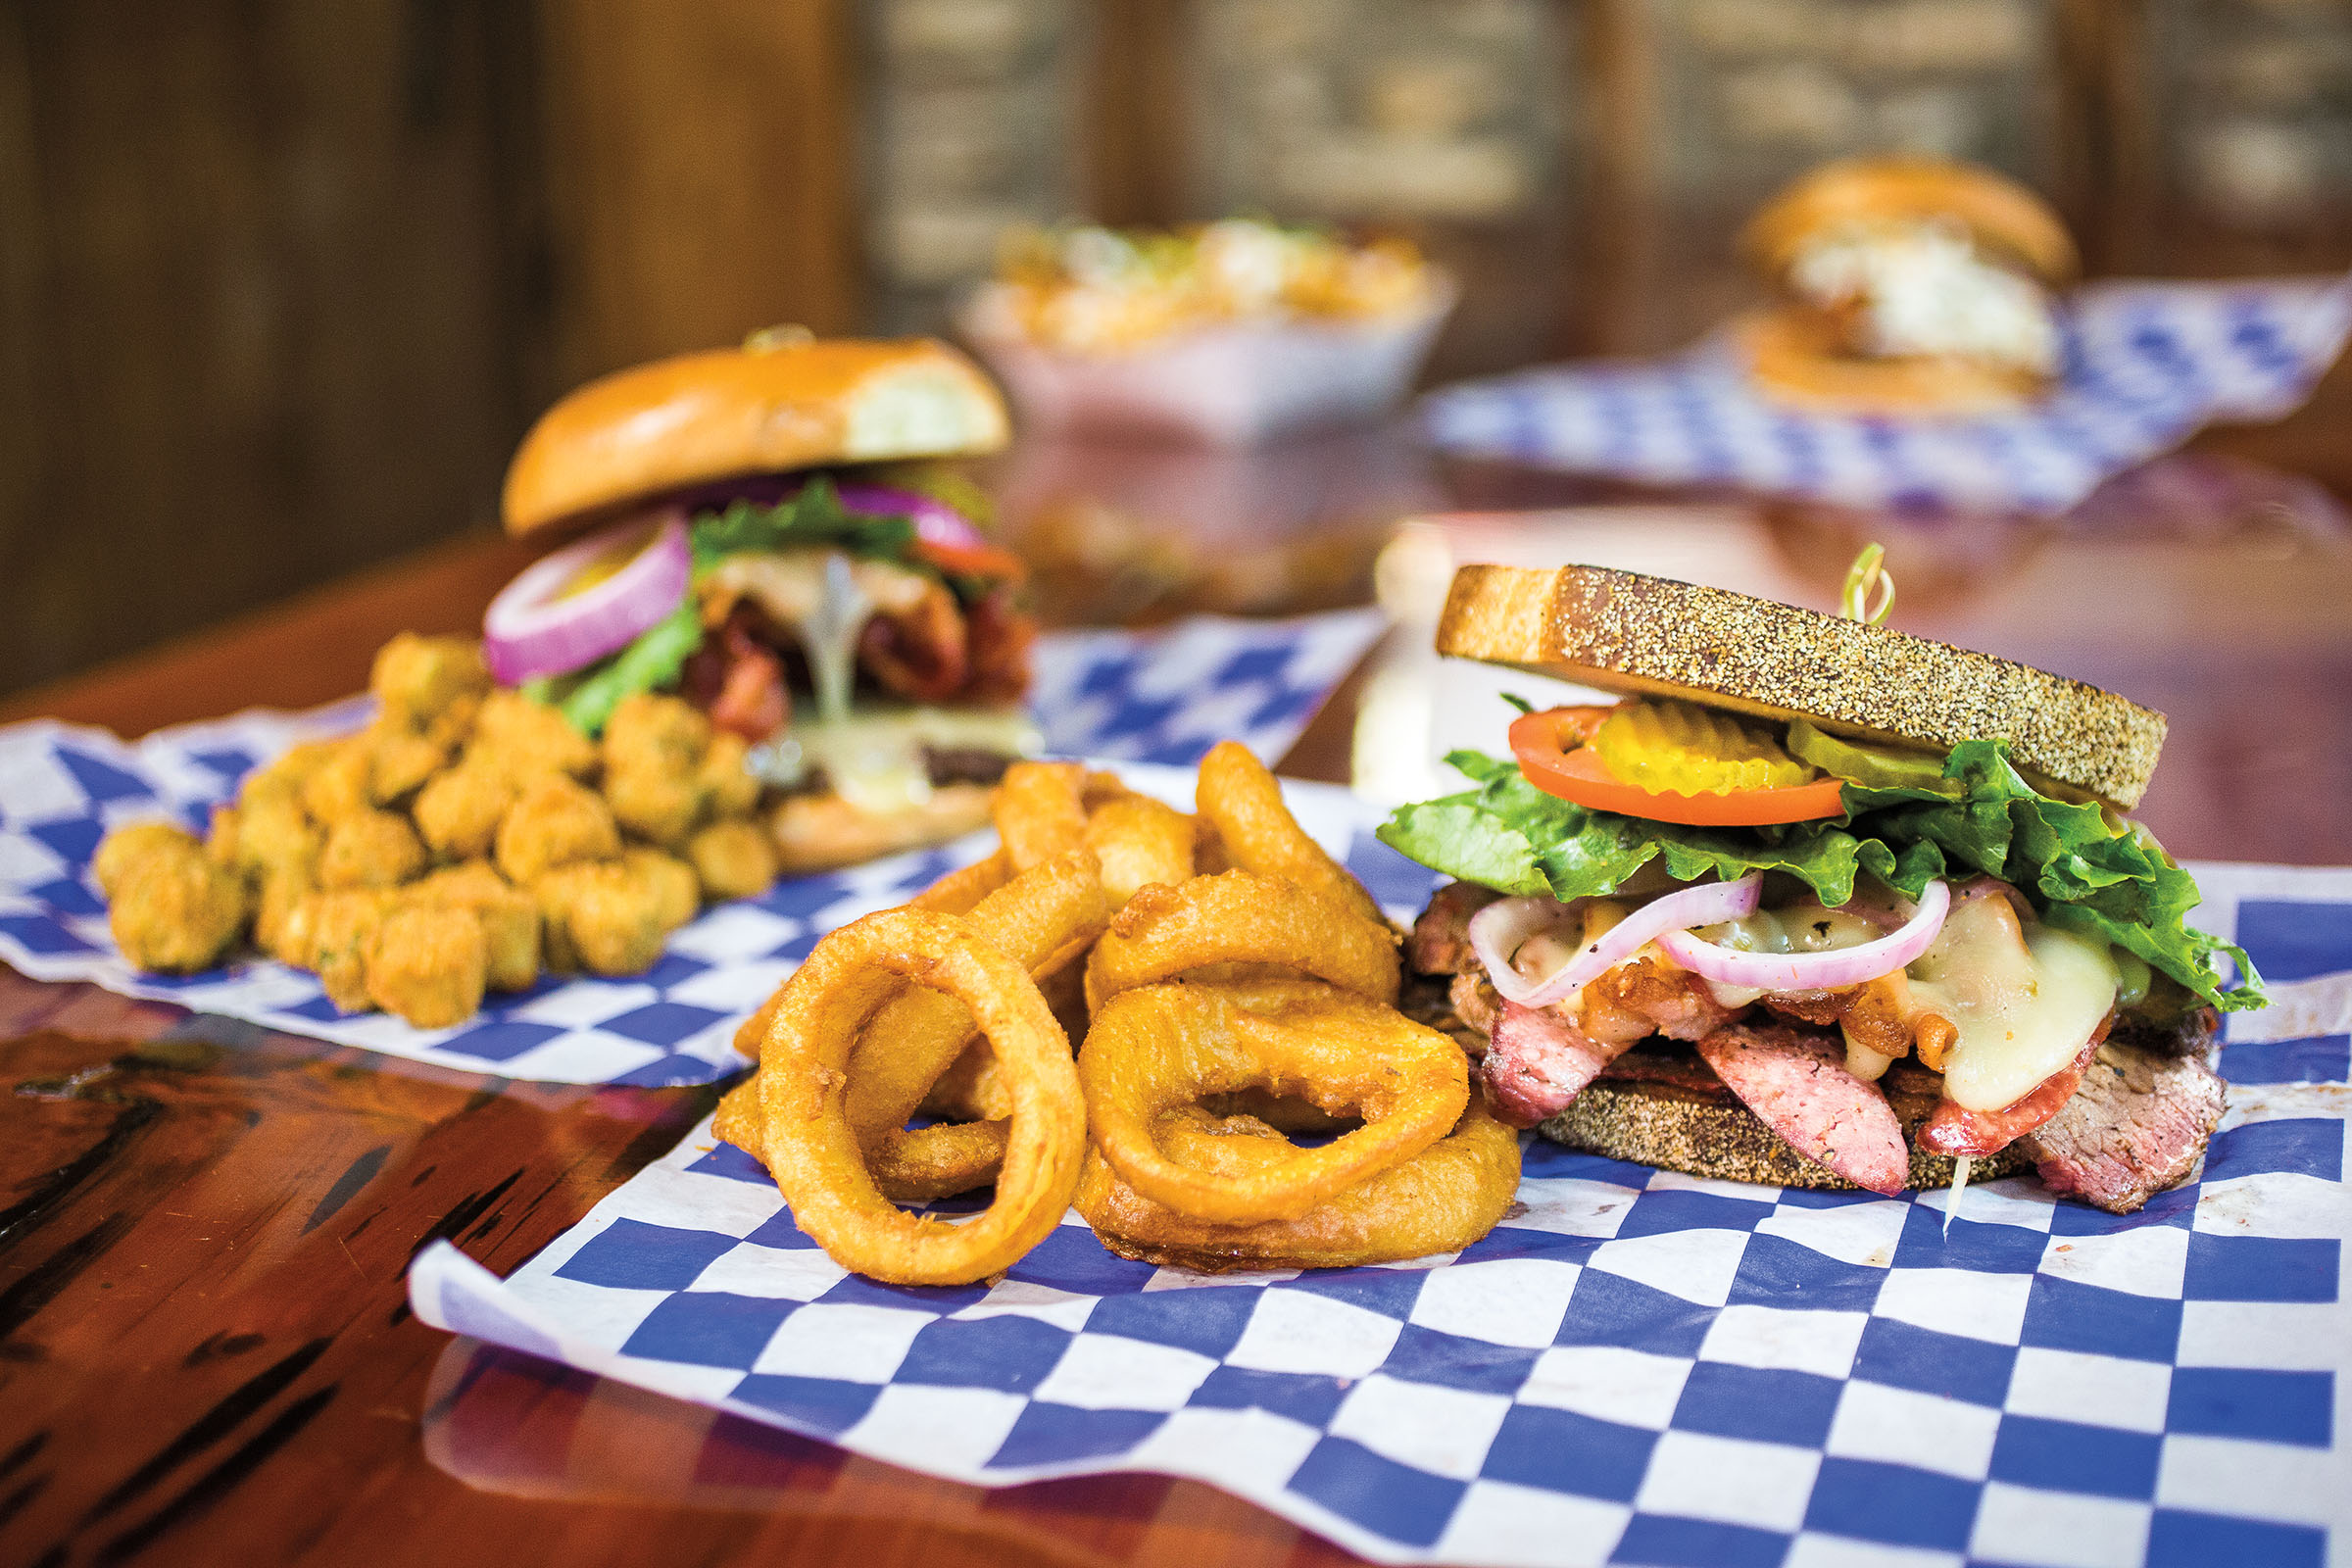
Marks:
<point>1229,333</point>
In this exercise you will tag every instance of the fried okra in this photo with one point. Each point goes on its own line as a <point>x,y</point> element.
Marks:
<point>527,740</point>
<point>733,859</point>
<point>370,850</point>
<point>427,963</point>
<point>554,823</point>
<point>417,679</point>
<point>509,917</point>
<point>171,906</point>
<point>330,934</point>
<point>459,811</point>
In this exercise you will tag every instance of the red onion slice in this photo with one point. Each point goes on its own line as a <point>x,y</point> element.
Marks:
<point>935,522</point>
<point>1814,971</point>
<point>1497,931</point>
<point>534,628</point>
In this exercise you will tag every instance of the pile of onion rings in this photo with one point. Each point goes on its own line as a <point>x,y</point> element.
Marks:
<point>1231,984</point>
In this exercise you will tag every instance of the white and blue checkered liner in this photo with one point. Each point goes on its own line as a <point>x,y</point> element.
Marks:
<point>1634,1367</point>
<point>2146,365</point>
<point>1161,697</point>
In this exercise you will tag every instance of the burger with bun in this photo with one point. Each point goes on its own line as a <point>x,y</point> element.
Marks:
<point>1907,286</point>
<point>772,532</point>
<point>1815,902</point>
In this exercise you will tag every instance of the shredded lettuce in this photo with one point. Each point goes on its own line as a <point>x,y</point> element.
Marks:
<point>2083,869</point>
<point>653,660</point>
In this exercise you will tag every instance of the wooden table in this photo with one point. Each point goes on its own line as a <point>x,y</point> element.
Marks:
<point>205,1351</point>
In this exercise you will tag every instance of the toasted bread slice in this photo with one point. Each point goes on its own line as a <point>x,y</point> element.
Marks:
<point>1654,636</point>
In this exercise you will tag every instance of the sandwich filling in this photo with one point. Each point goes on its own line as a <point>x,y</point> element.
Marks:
<point>1924,290</point>
<point>1870,948</point>
<point>856,627</point>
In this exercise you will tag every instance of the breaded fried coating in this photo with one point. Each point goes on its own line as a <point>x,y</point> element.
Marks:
<point>129,844</point>
<point>400,761</point>
<point>220,837</point>
<point>288,771</point>
<point>654,803</point>
<point>329,933</point>
<point>459,811</point>
<point>428,963</point>
<point>600,917</point>
<point>653,750</point>
<point>281,889</point>
<point>338,787</point>
<point>370,850</point>
<point>416,679</point>
<point>669,881</point>
<point>171,906</point>
<point>554,822</point>
<point>729,786</point>
<point>733,859</point>
<point>509,917</point>
<point>273,833</point>
<point>527,740</point>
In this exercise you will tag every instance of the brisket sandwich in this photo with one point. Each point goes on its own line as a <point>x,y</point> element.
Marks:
<point>773,532</point>
<point>1815,903</point>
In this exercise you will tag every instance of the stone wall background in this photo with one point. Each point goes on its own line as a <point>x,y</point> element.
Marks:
<point>2255,106</point>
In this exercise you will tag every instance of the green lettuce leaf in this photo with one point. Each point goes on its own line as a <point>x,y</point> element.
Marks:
<point>2083,869</point>
<point>652,661</point>
<point>811,517</point>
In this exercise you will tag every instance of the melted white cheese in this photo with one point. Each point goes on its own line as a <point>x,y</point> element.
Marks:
<point>2022,1009</point>
<point>874,756</point>
<point>1924,290</point>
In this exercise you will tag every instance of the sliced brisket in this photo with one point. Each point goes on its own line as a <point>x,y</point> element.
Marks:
<point>1796,1082</point>
<point>2137,1125</point>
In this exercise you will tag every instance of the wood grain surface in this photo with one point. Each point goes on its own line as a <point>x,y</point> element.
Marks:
<point>205,1351</point>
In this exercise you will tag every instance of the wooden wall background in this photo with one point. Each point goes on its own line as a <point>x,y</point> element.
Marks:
<point>281,281</point>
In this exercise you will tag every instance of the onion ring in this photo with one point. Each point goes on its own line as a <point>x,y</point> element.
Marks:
<point>1041,919</point>
<point>1040,811</point>
<point>961,890</point>
<point>1157,1047</point>
<point>1138,841</point>
<point>814,1155</point>
<point>1444,1199</point>
<point>1240,800</point>
<point>1237,917</point>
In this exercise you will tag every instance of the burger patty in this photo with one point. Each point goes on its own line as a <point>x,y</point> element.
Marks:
<point>943,765</point>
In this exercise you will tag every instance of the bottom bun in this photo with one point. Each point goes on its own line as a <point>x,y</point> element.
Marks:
<point>1795,360</point>
<point>1709,1133</point>
<point>823,832</point>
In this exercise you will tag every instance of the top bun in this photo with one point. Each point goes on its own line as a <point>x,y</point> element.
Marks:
<point>2000,214</point>
<point>1654,637</point>
<point>778,403</point>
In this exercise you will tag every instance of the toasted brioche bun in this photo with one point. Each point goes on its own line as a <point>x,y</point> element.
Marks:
<point>1709,1133</point>
<point>822,831</point>
<point>1655,637</point>
<point>774,405</point>
<point>2003,217</point>
<point>1793,354</point>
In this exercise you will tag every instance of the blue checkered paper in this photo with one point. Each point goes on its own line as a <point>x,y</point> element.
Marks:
<point>1166,696</point>
<point>2146,365</point>
<point>1635,1367</point>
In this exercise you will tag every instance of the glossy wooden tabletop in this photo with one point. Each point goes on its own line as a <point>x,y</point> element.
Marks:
<point>205,1351</point>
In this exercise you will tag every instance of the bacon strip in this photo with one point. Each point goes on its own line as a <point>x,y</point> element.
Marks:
<point>1955,1130</point>
<point>1797,1084</point>
<point>1538,1061</point>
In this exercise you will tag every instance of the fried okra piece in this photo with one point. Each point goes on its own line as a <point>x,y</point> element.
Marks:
<point>428,963</point>
<point>370,850</point>
<point>171,906</point>
<point>554,822</point>
<point>273,833</point>
<point>654,804</point>
<point>669,881</point>
<point>527,740</point>
<point>654,748</point>
<point>329,933</point>
<point>400,761</point>
<point>600,917</point>
<point>733,859</point>
<point>126,846</point>
<point>417,679</point>
<point>509,915</point>
<point>290,769</point>
<point>459,811</point>
<point>281,889</point>
<point>338,787</point>
<point>730,785</point>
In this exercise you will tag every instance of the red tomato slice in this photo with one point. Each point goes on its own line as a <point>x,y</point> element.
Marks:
<point>1552,754</point>
<point>991,561</point>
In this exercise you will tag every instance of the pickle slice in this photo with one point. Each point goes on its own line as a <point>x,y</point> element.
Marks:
<point>1878,768</point>
<point>1683,749</point>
